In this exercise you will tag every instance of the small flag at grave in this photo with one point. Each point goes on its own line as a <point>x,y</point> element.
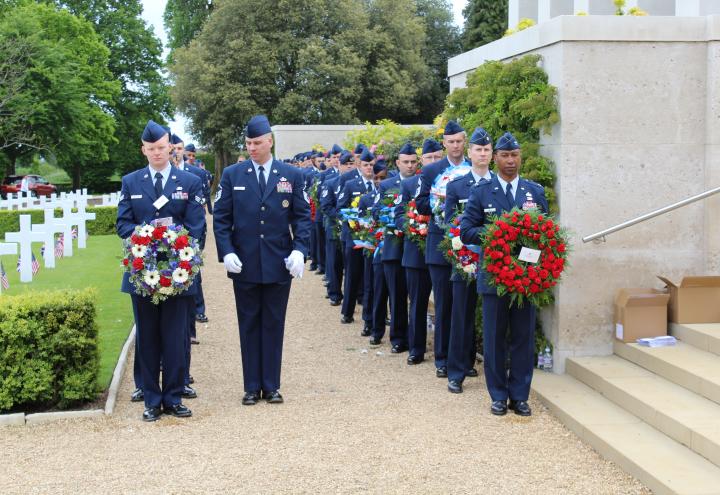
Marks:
<point>59,247</point>
<point>4,278</point>
<point>34,264</point>
<point>74,233</point>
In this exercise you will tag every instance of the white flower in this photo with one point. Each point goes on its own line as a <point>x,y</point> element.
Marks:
<point>457,244</point>
<point>167,290</point>
<point>152,277</point>
<point>180,275</point>
<point>146,231</point>
<point>469,268</point>
<point>186,254</point>
<point>170,235</point>
<point>138,250</point>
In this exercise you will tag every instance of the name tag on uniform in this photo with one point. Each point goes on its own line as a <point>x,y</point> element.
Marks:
<point>239,188</point>
<point>136,196</point>
<point>284,187</point>
<point>461,201</point>
<point>489,210</point>
<point>160,202</point>
<point>357,193</point>
<point>180,195</point>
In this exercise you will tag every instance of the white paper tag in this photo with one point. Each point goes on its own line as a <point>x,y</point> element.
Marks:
<point>619,331</point>
<point>162,222</point>
<point>160,202</point>
<point>529,255</point>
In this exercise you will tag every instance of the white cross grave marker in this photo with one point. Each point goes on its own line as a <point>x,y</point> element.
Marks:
<point>49,228</point>
<point>79,219</point>
<point>25,237</point>
<point>66,222</point>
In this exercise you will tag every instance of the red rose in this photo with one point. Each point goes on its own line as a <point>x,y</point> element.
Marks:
<point>126,262</point>
<point>138,264</point>
<point>158,233</point>
<point>181,242</point>
<point>561,248</point>
<point>185,265</point>
<point>165,282</point>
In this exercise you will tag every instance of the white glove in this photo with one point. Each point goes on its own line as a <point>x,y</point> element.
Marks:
<point>232,263</point>
<point>295,264</point>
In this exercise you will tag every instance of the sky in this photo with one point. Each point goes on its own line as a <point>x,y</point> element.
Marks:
<point>153,14</point>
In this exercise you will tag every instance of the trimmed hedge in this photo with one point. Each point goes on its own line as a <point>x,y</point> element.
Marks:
<point>48,350</point>
<point>104,223</point>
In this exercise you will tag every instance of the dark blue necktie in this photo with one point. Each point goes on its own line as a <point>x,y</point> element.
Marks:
<point>261,179</point>
<point>509,195</point>
<point>158,184</point>
<point>368,187</point>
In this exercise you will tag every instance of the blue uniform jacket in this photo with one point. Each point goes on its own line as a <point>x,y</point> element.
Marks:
<point>203,176</point>
<point>352,189</point>
<point>348,176</point>
<point>392,246</point>
<point>487,199</point>
<point>137,196</point>
<point>328,202</point>
<point>412,256</point>
<point>258,228</point>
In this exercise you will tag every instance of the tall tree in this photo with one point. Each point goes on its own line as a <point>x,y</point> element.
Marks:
<point>184,19</point>
<point>67,86</point>
<point>485,21</point>
<point>136,62</point>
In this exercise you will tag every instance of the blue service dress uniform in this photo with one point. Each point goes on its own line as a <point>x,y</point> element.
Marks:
<point>310,175</point>
<point>438,266</point>
<point>334,264</point>
<point>418,277</point>
<point>319,222</point>
<point>257,228</point>
<point>162,328</point>
<point>488,199</point>
<point>461,347</point>
<point>392,254</point>
<point>368,313</point>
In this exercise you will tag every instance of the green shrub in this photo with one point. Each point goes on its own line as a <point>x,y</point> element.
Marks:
<point>48,350</point>
<point>104,223</point>
<point>390,137</point>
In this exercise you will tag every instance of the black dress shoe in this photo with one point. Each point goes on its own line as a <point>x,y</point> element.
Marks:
<point>191,380</point>
<point>312,268</point>
<point>137,395</point>
<point>455,387</point>
<point>521,407</point>
<point>194,341</point>
<point>415,360</point>
<point>375,341</point>
<point>499,407</point>
<point>335,302</point>
<point>441,372</point>
<point>472,372</point>
<point>250,398</point>
<point>366,331</point>
<point>201,318</point>
<point>151,414</point>
<point>347,319</point>
<point>189,393</point>
<point>320,272</point>
<point>179,411</point>
<point>398,349</point>
<point>273,397</point>
<point>327,296</point>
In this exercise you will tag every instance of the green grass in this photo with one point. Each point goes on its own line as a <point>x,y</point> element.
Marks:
<point>96,266</point>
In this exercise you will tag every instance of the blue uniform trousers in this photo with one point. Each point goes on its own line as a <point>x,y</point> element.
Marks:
<point>199,299</point>
<point>367,296</point>
<point>313,248</point>
<point>136,362</point>
<point>442,296</point>
<point>461,347</point>
<point>419,286</point>
<point>398,293</point>
<point>261,312</point>
<point>161,334</point>
<point>497,316</point>
<point>190,333</point>
<point>334,269</point>
<point>380,301</point>
<point>319,245</point>
<point>353,279</point>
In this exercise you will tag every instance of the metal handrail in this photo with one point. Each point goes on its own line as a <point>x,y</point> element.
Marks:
<point>600,236</point>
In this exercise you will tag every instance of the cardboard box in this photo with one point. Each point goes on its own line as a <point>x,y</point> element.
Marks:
<point>640,313</point>
<point>695,300</point>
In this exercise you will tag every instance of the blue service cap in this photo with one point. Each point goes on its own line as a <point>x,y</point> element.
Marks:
<point>407,149</point>
<point>190,147</point>
<point>452,127</point>
<point>335,150</point>
<point>507,142</point>
<point>175,139</point>
<point>153,132</point>
<point>379,166</point>
<point>345,157</point>
<point>359,148</point>
<point>480,136</point>
<point>257,126</point>
<point>431,146</point>
<point>366,156</point>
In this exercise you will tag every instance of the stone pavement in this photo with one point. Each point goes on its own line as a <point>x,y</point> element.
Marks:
<point>352,422</point>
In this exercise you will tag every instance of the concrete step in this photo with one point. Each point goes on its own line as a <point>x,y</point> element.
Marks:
<point>658,461</point>
<point>704,336</point>
<point>683,364</point>
<point>681,414</point>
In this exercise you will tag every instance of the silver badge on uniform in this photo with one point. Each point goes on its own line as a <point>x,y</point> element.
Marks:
<point>419,186</point>
<point>285,203</point>
<point>218,194</point>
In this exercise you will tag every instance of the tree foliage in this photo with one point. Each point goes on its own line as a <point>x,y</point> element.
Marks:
<point>184,19</point>
<point>485,21</point>
<point>515,97</point>
<point>66,89</point>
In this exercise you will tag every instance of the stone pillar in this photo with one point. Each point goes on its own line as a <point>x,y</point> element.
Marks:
<point>513,13</point>
<point>708,7</point>
<point>543,11</point>
<point>521,9</point>
<point>687,8</point>
<point>581,6</point>
<point>712,159</point>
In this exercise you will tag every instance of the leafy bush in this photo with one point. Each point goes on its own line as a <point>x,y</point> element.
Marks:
<point>389,137</point>
<point>48,349</point>
<point>104,223</point>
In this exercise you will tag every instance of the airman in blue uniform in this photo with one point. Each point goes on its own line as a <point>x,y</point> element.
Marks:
<point>160,192</point>
<point>262,230</point>
<point>489,198</point>
<point>461,347</point>
<point>454,142</point>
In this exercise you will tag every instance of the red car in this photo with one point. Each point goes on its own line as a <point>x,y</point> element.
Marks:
<point>37,185</point>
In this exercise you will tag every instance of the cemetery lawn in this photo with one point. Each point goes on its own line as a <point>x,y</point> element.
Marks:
<point>96,266</point>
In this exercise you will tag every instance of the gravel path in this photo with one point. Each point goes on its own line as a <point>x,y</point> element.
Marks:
<point>352,422</point>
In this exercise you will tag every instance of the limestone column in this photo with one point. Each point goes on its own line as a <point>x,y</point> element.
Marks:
<point>581,6</point>
<point>687,8</point>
